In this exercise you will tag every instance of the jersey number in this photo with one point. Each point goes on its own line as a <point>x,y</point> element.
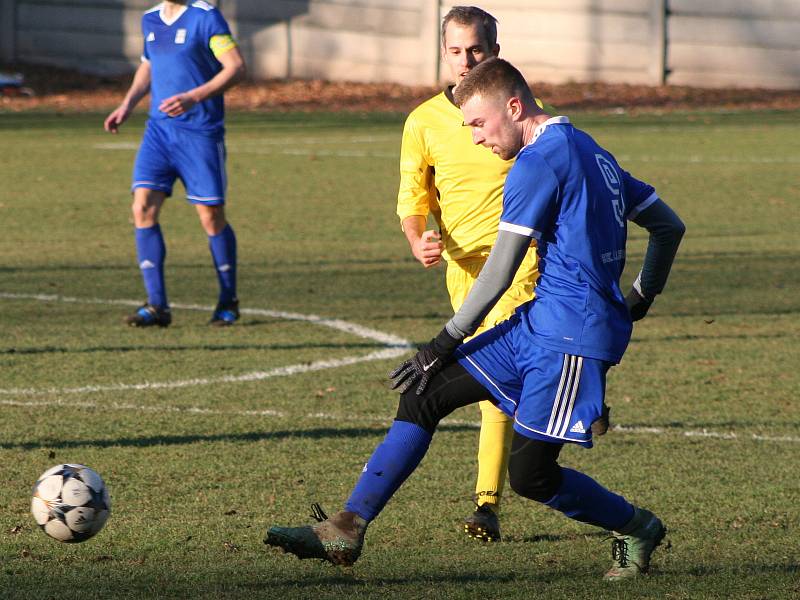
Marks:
<point>613,184</point>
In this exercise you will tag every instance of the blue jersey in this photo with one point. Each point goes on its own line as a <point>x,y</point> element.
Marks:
<point>572,196</point>
<point>181,59</point>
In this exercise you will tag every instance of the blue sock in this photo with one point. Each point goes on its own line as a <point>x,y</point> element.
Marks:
<point>151,252</point>
<point>581,498</point>
<point>223,251</point>
<point>389,466</point>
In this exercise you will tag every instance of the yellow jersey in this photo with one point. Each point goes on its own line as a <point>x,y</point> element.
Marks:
<point>443,173</point>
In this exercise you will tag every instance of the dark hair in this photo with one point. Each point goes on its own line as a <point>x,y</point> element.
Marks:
<point>493,77</point>
<point>467,15</point>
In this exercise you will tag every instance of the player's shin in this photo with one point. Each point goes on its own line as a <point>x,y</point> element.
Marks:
<point>389,466</point>
<point>151,253</point>
<point>581,498</point>
<point>223,251</point>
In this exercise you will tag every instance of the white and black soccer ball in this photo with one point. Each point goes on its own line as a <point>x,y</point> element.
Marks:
<point>70,503</point>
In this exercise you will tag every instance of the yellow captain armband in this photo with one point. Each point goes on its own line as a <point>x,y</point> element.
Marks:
<point>220,44</point>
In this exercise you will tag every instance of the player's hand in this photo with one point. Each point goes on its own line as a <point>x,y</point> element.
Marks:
<point>428,248</point>
<point>637,304</point>
<point>116,118</point>
<point>426,363</point>
<point>177,105</point>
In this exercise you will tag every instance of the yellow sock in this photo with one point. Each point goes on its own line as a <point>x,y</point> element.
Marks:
<point>493,451</point>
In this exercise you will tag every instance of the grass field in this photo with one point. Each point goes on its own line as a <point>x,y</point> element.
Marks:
<point>206,437</point>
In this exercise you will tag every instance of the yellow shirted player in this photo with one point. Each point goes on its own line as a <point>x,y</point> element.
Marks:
<point>444,174</point>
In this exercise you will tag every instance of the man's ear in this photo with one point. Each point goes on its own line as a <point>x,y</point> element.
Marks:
<point>496,50</point>
<point>515,108</point>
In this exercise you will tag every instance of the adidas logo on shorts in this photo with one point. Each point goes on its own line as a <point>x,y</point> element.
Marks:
<point>578,428</point>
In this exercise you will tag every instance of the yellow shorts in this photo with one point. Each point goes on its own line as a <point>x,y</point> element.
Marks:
<point>461,276</point>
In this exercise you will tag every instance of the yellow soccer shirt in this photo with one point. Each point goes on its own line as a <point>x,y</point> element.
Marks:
<point>442,172</point>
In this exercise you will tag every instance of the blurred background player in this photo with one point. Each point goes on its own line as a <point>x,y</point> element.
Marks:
<point>190,58</point>
<point>444,173</point>
<point>546,366</point>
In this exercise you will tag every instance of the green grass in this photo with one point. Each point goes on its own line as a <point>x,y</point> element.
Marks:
<point>198,471</point>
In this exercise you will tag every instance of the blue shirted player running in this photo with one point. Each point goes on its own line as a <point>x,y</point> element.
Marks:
<point>546,366</point>
<point>189,60</point>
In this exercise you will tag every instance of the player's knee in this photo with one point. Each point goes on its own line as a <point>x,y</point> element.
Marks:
<point>212,218</point>
<point>537,479</point>
<point>417,409</point>
<point>143,216</point>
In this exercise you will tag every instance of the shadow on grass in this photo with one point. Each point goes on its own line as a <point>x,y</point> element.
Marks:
<point>253,436</point>
<point>554,537</point>
<point>747,569</point>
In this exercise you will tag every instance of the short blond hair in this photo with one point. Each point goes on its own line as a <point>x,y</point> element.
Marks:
<point>467,15</point>
<point>493,77</point>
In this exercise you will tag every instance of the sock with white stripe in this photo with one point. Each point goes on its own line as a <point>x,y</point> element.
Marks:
<point>581,498</point>
<point>223,251</point>
<point>389,466</point>
<point>151,253</point>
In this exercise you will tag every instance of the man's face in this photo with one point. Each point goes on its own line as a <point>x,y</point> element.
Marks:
<point>492,125</point>
<point>463,47</point>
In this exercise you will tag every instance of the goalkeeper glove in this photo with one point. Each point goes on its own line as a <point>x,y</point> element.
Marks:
<point>637,304</point>
<point>427,362</point>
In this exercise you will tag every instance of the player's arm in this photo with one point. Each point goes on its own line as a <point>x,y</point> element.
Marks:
<point>415,195</point>
<point>666,230</point>
<point>494,279</point>
<point>138,90</point>
<point>426,244</point>
<point>233,70</point>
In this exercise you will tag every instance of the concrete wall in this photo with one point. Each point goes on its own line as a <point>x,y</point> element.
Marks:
<point>693,42</point>
<point>102,36</point>
<point>581,40</point>
<point>356,40</point>
<point>734,43</point>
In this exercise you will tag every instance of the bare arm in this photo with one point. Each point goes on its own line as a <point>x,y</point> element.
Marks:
<point>138,90</point>
<point>426,245</point>
<point>233,71</point>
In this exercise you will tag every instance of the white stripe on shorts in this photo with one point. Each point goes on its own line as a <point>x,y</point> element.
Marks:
<point>571,404</point>
<point>564,400</point>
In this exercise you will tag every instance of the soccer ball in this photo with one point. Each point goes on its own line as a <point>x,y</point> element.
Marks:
<point>70,503</point>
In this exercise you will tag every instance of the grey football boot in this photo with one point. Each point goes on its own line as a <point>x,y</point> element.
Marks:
<point>633,545</point>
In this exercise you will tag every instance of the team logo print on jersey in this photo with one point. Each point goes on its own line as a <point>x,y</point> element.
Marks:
<point>611,178</point>
<point>151,37</point>
<point>180,36</point>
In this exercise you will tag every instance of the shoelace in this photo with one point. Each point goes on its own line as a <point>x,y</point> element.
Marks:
<point>317,513</point>
<point>619,551</point>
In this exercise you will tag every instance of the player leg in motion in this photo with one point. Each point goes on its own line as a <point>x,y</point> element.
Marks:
<point>442,172</point>
<point>546,365</point>
<point>189,60</point>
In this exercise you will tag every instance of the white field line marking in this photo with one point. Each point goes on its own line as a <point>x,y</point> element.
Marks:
<point>270,413</point>
<point>690,159</point>
<point>270,151</point>
<point>395,347</point>
<point>358,330</point>
<point>318,365</point>
<point>698,159</point>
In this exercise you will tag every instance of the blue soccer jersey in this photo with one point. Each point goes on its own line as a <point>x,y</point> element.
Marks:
<point>181,59</point>
<point>572,196</point>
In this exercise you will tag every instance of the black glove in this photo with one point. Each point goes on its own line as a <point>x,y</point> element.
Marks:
<point>637,304</point>
<point>427,362</point>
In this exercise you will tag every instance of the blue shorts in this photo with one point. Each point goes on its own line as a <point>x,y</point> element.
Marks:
<point>551,396</point>
<point>170,151</point>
